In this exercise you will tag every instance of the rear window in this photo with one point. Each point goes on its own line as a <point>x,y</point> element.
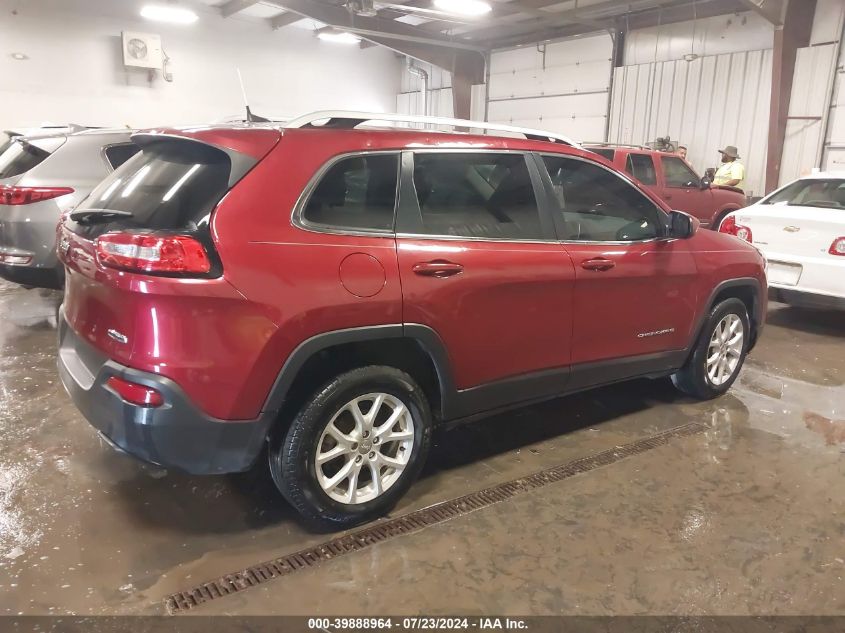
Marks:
<point>23,154</point>
<point>825,193</point>
<point>167,186</point>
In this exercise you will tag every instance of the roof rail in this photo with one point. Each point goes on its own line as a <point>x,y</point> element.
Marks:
<point>351,119</point>
<point>609,144</point>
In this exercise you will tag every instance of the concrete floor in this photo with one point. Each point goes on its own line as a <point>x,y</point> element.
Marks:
<point>748,517</point>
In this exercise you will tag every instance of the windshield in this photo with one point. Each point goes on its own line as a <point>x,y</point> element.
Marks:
<point>169,185</point>
<point>826,193</point>
<point>21,155</point>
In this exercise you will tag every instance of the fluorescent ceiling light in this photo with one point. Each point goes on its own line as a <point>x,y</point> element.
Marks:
<point>338,38</point>
<point>173,14</point>
<point>464,7</point>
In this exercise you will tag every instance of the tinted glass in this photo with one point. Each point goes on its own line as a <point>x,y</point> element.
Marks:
<point>828,193</point>
<point>606,153</point>
<point>358,192</point>
<point>22,155</point>
<point>119,154</point>
<point>677,173</point>
<point>596,205</point>
<point>641,167</point>
<point>482,195</point>
<point>168,185</point>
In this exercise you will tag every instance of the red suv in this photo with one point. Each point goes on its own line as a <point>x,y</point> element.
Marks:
<point>333,293</point>
<point>672,179</point>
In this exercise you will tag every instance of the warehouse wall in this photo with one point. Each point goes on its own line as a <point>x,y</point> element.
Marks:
<point>720,98</point>
<point>76,73</point>
<point>705,104</point>
<point>409,101</point>
<point>826,43</point>
<point>710,36</point>
<point>561,87</point>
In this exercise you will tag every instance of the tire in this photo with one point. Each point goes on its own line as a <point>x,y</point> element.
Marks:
<point>293,456</point>
<point>694,379</point>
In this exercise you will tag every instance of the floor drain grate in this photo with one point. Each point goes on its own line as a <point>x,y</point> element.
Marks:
<point>412,522</point>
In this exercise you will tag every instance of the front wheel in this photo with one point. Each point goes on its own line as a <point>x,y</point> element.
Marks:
<point>719,353</point>
<point>355,448</point>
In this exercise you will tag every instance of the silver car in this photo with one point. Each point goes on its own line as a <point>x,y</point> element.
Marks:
<point>41,177</point>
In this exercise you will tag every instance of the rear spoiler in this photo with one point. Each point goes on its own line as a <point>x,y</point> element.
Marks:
<point>241,162</point>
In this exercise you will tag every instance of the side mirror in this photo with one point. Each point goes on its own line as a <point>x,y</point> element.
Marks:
<point>705,183</point>
<point>682,225</point>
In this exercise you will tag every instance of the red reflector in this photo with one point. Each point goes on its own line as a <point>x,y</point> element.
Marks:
<point>152,253</point>
<point>27,195</point>
<point>838,247</point>
<point>133,393</point>
<point>730,227</point>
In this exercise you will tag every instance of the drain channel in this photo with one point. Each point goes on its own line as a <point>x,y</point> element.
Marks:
<point>412,522</point>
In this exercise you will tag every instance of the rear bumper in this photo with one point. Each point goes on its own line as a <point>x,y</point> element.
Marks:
<point>36,277</point>
<point>804,299</point>
<point>174,435</point>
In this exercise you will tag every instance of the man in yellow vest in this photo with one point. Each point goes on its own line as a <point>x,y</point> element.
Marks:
<point>731,172</point>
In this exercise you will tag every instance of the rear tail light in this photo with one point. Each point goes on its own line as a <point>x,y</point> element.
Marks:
<point>14,259</point>
<point>14,196</point>
<point>151,253</point>
<point>838,247</point>
<point>133,393</point>
<point>730,227</point>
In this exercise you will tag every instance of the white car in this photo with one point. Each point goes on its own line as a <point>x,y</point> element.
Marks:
<point>800,228</point>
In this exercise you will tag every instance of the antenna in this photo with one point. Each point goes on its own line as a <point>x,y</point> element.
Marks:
<point>250,117</point>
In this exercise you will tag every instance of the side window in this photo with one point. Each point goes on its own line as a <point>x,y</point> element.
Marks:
<point>677,173</point>
<point>358,192</point>
<point>597,205</point>
<point>601,151</point>
<point>119,154</point>
<point>641,167</point>
<point>482,195</point>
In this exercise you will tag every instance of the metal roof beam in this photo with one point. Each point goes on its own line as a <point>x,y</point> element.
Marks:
<point>772,10</point>
<point>232,7</point>
<point>281,21</point>
<point>374,29</point>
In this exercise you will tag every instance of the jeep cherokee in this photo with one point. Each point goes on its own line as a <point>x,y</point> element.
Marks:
<point>334,292</point>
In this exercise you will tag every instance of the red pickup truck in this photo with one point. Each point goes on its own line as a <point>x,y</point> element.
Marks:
<point>672,179</point>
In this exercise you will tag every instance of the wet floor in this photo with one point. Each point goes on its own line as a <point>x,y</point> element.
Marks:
<point>748,517</point>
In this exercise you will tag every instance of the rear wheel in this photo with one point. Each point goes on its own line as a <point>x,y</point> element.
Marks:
<point>719,353</point>
<point>354,448</point>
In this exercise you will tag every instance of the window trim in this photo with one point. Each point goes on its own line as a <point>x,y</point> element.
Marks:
<point>552,202</point>
<point>299,221</point>
<point>685,164</point>
<point>409,209</point>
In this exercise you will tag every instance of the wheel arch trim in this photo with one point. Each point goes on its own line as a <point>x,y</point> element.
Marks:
<point>756,316</point>
<point>427,338</point>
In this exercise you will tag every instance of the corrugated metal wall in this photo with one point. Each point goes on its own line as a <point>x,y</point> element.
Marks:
<point>830,27</point>
<point>408,101</point>
<point>705,104</point>
<point>561,87</point>
<point>810,97</point>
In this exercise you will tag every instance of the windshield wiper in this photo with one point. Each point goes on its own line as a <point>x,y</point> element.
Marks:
<point>98,216</point>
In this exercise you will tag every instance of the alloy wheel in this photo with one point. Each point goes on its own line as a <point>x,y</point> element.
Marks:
<point>724,352</point>
<point>364,448</point>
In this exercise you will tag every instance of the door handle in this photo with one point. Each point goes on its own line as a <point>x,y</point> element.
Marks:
<point>599,264</point>
<point>437,268</point>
